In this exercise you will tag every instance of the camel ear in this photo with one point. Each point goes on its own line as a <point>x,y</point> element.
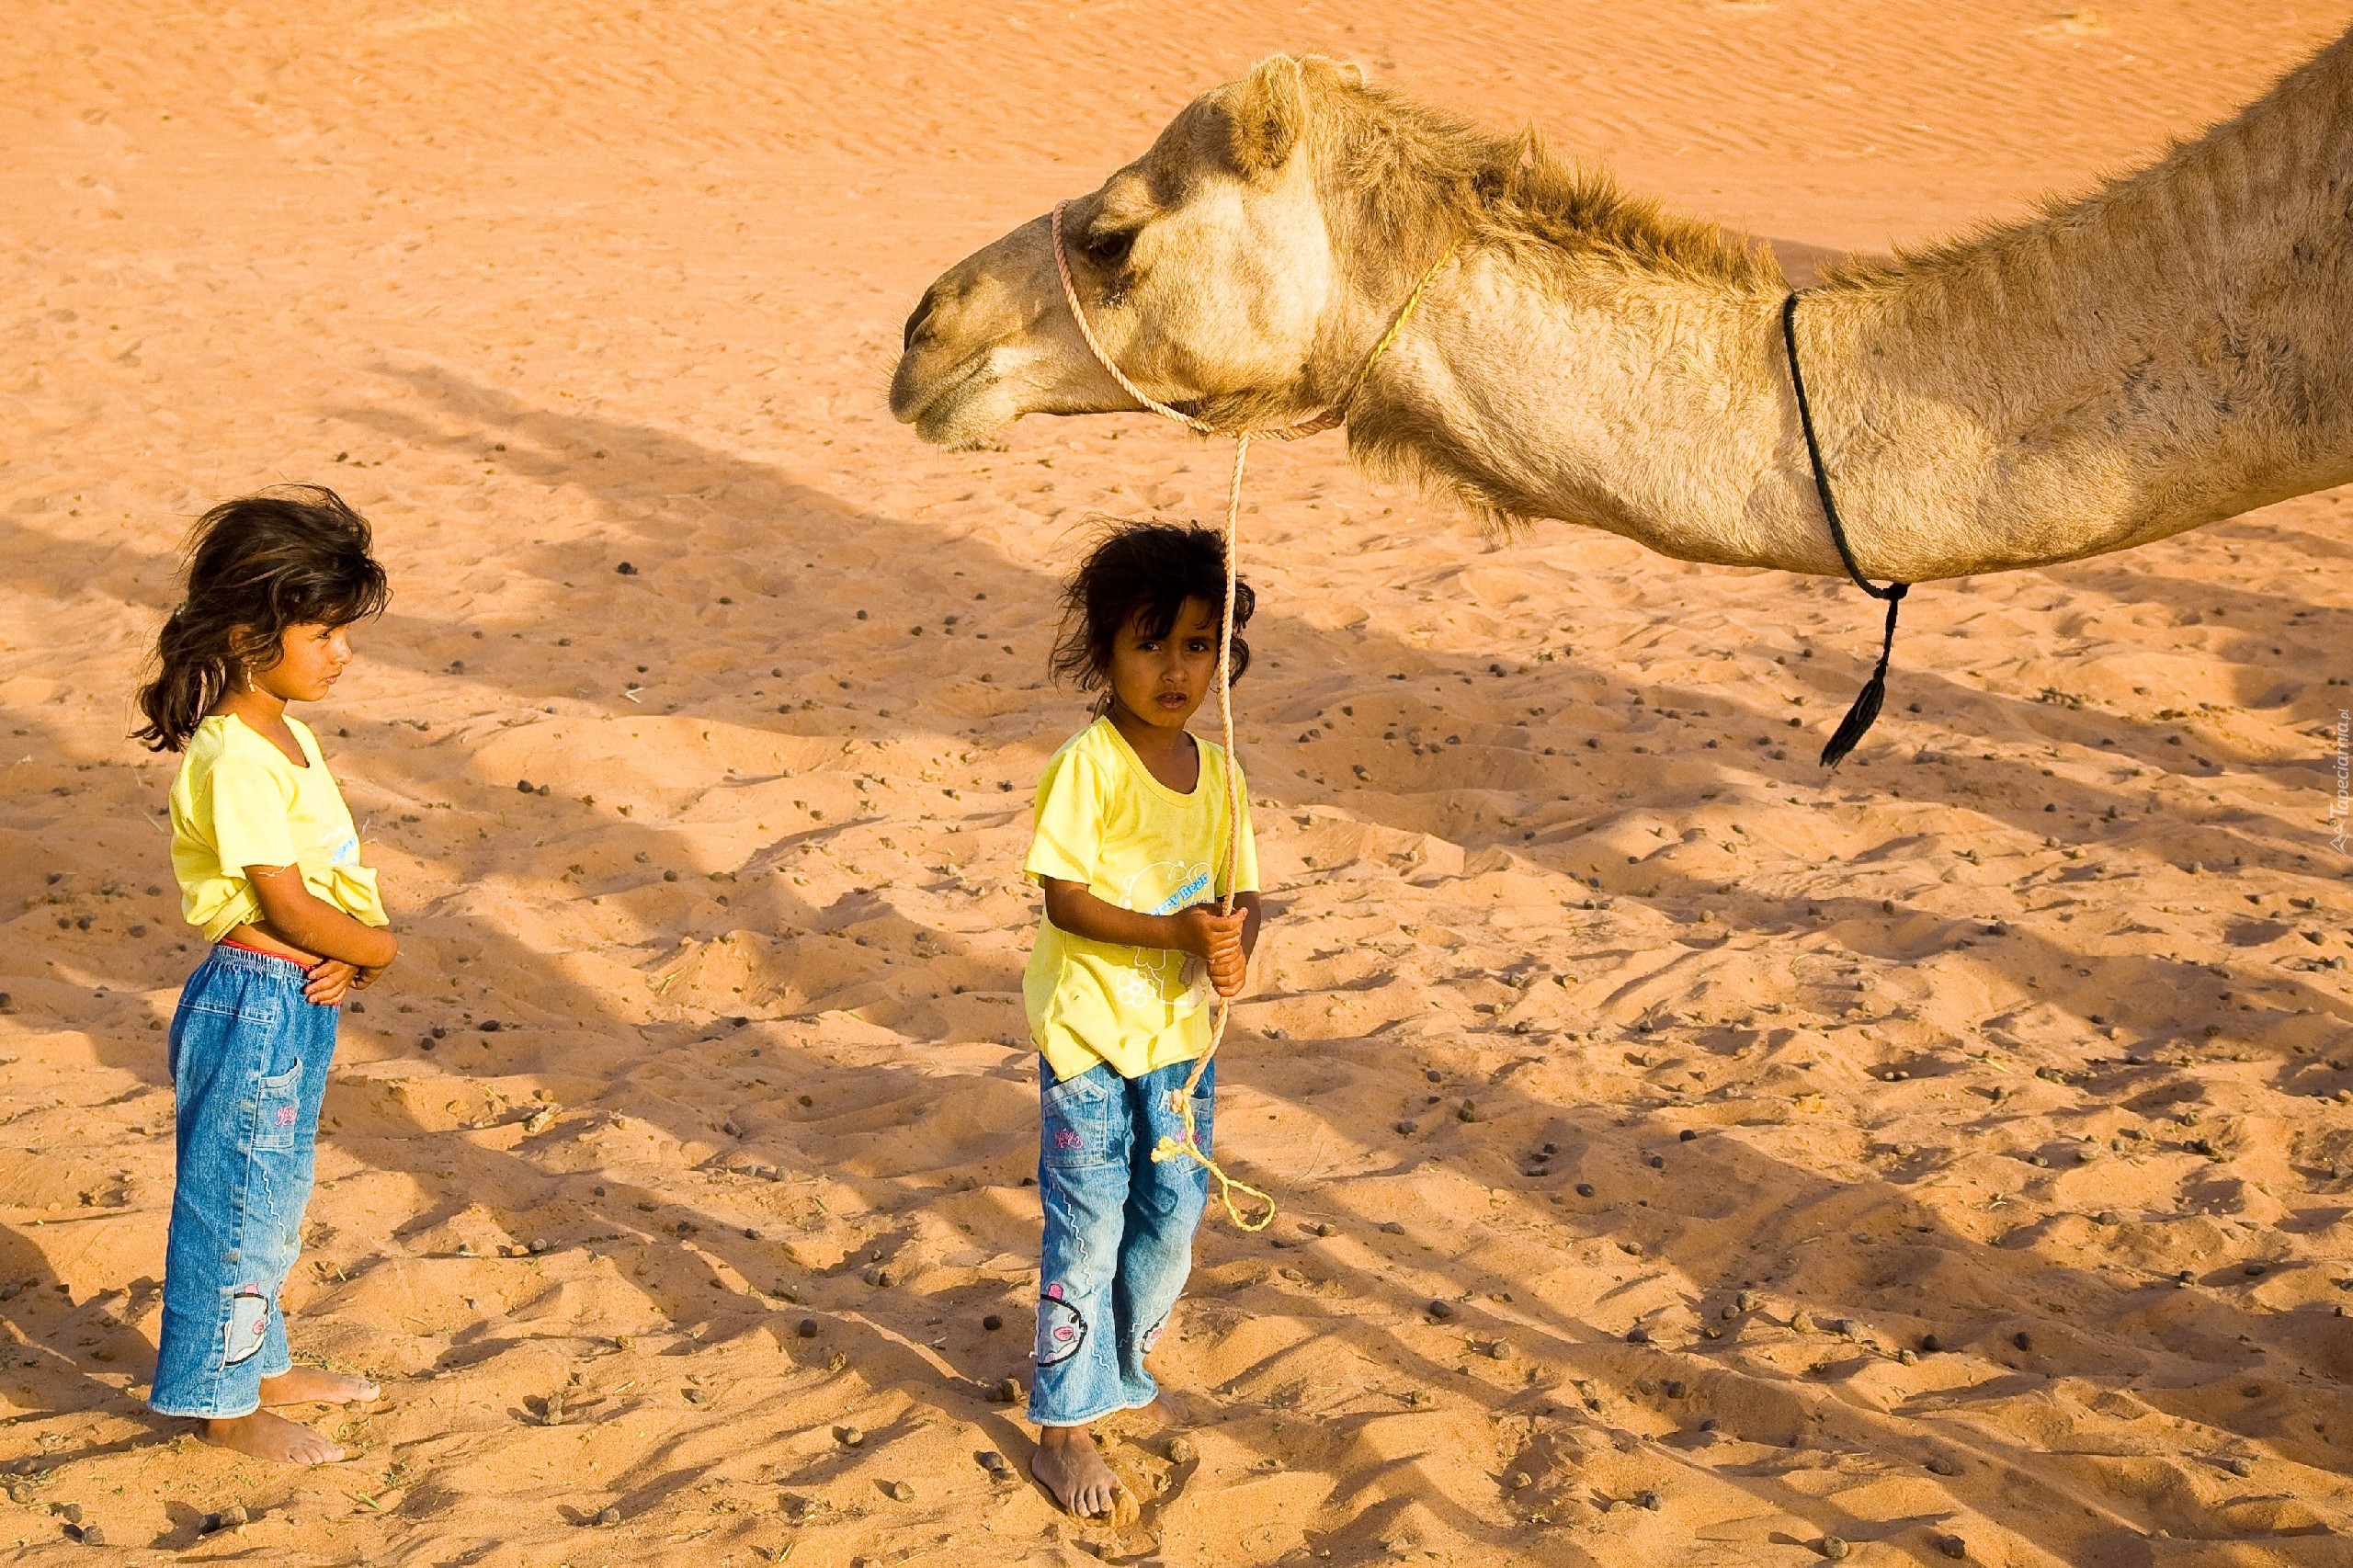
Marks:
<point>1268,110</point>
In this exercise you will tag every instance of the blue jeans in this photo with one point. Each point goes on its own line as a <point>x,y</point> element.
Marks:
<point>1118,1235</point>
<point>249,1059</point>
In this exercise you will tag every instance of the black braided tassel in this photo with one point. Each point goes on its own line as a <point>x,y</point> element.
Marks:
<point>1867,701</point>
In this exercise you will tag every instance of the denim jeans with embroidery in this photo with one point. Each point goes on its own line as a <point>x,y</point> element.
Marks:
<point>249,1059</point>
<point>1118,1235</point>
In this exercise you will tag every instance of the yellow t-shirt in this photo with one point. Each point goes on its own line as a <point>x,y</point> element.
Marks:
<point>1103,820</point>
<point>238,802</point>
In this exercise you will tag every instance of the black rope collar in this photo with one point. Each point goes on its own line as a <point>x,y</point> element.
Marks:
<point>1867,701</point>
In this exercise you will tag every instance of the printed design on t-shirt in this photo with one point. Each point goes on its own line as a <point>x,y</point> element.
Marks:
<point>345,851</point>
<point>1062,1329</point>
<point>1163,975</point>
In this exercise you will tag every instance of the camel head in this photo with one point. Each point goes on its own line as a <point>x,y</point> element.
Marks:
<point>1208,268</point>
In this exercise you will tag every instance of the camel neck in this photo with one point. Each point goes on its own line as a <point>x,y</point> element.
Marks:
<point>2173,349</point>
<point>1654,408</point>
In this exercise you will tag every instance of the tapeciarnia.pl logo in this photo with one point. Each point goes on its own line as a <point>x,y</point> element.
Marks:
<point>2338,813</point>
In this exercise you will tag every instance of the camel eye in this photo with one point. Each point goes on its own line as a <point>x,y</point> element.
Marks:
<point>1110,250</point>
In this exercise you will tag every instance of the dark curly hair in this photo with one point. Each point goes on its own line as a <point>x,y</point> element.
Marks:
<point>256,565</point>
<point>1142,573</point>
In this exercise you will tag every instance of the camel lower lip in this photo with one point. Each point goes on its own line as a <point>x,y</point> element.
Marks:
<point>956,381</point>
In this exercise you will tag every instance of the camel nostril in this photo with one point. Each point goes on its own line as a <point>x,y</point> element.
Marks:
<point>921,315</point>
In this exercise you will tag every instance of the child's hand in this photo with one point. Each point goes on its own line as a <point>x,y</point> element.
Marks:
<point>1216,939</point>
<point>1201,930</point>
<point>329,979</point>
<point>1229,970</point>
<point>368,977</point>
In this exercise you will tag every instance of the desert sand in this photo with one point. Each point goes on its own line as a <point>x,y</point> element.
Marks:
<point>1684,1155</point>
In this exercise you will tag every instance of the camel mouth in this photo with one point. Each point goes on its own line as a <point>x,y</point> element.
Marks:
<point>942,408</point>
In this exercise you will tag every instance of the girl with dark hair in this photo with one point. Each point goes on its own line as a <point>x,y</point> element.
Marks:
<point>1130,849</point>
<point>268,867</point>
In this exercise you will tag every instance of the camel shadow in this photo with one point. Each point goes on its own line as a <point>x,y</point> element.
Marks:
<point>873,1327</point>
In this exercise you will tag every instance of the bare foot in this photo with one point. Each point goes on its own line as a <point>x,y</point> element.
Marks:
<point>268,1437</point>
<point>1067,1465</point>
<point>316,1385</point>
<point>1172,1409</point>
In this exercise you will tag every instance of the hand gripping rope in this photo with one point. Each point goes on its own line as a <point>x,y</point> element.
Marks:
<point>1190,1146</point>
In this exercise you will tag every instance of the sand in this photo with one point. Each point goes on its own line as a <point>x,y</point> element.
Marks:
<point>1639,1099</point>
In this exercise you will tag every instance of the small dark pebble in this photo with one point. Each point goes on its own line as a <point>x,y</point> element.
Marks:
<point>1442,1311</point>
<point>624,569</point>
<point>2023,1340</point>
<point>992,1323</point>
<point>92,1535</point>
<point>1006,1390</point>
<point>2255,1270</point>
<point>1686,1136</point>
<point>1930,1344</point>
<point>1638,1334</point>
<point>1652,1501</point>
<point>996,1464</point>
<point>1657,1161</point>
<point>2239,1464</point>
<point>1953,1546</point>
<point>489,1025</point>
<point>523,786</point>
<point>1585,1189</point>
<point>228,1519</point>
<point>1500,1351</point>
<point>1940,1465</point>
<point>808,1328</point>
<point>1406,1129</point>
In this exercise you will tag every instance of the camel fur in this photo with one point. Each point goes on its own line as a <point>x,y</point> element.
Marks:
<point>2174,348</point>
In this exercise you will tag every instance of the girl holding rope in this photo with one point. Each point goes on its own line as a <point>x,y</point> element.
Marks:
<point>1152,913</point>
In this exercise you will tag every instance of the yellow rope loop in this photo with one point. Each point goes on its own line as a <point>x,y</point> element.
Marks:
<point>1170,1149</point>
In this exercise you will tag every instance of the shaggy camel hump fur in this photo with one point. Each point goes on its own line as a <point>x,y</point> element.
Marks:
<point>2166,351</point>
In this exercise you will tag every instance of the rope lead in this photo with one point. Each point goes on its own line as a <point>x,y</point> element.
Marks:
<point>1190,1146</point>
<point>1181,1100</point>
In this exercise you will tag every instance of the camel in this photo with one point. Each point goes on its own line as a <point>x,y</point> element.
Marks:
<point>2174,348</point>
